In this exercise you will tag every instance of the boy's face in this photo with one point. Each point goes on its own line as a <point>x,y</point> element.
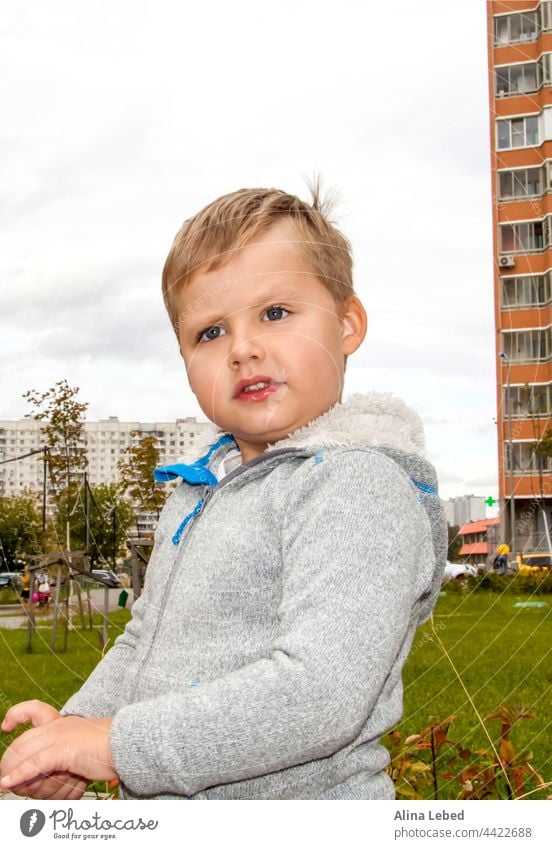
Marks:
<point>267,315</point>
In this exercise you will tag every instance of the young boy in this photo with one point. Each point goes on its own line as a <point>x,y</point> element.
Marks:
<point>292,565</point>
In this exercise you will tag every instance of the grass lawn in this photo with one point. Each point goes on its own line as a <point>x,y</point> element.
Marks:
<point>46,676</point>
<point>502,655</point>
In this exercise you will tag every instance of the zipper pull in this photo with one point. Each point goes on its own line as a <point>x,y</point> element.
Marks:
<point>197,511</point>
<point>207,492</point>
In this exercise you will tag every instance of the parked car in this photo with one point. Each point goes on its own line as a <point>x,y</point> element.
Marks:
<point>539,563</point>
<point>106,576</point>
<point>10,580</point>
<point>458,570</point>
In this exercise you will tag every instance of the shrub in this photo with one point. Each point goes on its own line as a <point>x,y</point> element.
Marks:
<point>522,583</point>
<point>500,772</point>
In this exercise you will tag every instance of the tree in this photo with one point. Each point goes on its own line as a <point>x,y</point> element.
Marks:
<point>63,432</point>
<point>20,528</point>
<point>454,544</point>
<point>65,447</point>
<point>110,516</point>
<point>544,445</point>
<point>136,475</point>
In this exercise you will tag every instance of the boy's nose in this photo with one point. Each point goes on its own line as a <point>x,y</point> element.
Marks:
<point>246,347</point>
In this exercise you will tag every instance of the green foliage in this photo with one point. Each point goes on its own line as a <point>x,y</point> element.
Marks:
<point>544,445</point>
<point>110,516</point>
<point>535,582</point>
<point>20,528</point>
<point>454,544</point>
<point>136,474</point>
<point>497,772</point>
<point>63,430</point>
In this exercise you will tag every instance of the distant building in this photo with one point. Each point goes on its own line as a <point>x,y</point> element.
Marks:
<point>464,509</point>
<point>105,442</point>
<point>480,540</point>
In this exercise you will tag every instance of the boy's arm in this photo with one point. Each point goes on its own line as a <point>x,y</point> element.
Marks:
<point>100,693</point>
<point>357,559</point>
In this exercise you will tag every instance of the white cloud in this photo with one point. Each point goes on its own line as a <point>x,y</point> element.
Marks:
<point>121,120</point>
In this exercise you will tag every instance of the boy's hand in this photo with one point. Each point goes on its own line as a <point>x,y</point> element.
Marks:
<point>75,746</point>
<point>59,785</point>
<point>33,711</point>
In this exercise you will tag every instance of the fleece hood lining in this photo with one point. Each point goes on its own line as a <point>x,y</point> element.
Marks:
<point>373,419</point>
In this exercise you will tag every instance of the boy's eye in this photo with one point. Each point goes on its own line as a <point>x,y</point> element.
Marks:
<point>199,337</point>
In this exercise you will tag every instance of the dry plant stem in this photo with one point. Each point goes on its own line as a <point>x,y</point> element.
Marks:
<point>472,703</point>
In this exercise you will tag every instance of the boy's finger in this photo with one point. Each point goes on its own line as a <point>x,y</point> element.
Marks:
<point>40,763</point>
<point>72,787</point>
<point>56,786</point>
<point>33,711</point>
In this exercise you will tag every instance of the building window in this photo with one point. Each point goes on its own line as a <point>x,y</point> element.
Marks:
<point>522,26</point>
<point>530,401</point>
<point>524,237</point>
<point>546,15</point>
<point>533,290</point>
<point>517,79</point>
<point>521,183</point>
<point>526,460</point>
<point>527,346</point>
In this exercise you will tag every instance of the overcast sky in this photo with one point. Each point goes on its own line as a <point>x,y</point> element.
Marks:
<point>120,120</point>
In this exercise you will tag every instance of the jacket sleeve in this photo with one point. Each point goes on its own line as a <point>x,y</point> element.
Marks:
<point>353,540</point>
<point>100,695</point>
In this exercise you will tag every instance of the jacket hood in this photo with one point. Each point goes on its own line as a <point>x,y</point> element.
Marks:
<point>374,419</point>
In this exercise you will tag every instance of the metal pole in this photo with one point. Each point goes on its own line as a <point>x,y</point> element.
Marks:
<point>86,516</point>
<point>45,468</point>
<point>511,454</point>
<point>114,537</point>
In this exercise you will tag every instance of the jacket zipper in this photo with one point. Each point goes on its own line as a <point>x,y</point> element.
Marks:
<point>208,493</point>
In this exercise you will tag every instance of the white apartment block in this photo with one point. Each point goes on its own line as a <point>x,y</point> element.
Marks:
<point>465,509</point>
<point>106,441</point>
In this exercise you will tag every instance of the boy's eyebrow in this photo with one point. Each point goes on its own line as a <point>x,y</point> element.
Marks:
<point>273,293</point>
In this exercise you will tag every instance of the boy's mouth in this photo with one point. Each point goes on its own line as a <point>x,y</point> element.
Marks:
<point>255,388</point>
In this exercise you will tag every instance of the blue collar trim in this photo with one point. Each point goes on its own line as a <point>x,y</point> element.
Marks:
<point>425,487</point>
<point>195,473</point>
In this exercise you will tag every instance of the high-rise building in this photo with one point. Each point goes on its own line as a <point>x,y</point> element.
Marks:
<point>464,509</point>
<point>105,442</point>
<point>520,83</point>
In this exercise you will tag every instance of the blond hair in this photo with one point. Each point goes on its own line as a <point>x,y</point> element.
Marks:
<point>207,241</point>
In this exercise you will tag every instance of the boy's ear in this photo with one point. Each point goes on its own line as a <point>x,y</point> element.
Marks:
<point>347,329</point>
<point>355,325</point>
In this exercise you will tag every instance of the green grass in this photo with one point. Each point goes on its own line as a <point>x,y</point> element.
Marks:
<point>502,654</point>
<point>8,596</point>
<point>44,675</point>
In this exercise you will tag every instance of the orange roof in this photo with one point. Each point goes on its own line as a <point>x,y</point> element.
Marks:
<point>478,527</point>
<point>475,548</point>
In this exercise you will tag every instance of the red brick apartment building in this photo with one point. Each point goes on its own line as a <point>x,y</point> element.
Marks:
<point>479,542</point>
<point>520,87</point>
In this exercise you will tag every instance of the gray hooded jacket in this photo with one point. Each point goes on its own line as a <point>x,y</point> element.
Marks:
<point>263,659</point>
